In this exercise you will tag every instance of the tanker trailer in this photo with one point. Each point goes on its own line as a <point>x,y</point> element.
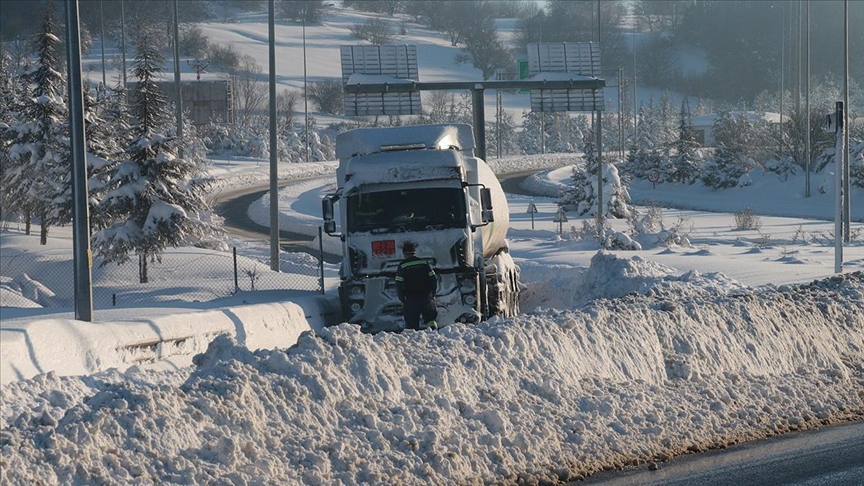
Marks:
<point>419,184</point>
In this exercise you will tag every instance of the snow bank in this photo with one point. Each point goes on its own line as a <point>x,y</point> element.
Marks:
<point>553,395</point>
<point>30,345</point>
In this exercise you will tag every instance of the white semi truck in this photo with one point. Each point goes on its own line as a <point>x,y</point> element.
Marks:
<point>420,184</point>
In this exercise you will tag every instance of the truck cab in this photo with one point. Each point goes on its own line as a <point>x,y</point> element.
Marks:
<point>419,184</point>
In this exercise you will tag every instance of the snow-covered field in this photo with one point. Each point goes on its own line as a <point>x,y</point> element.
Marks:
<point>619,358</point>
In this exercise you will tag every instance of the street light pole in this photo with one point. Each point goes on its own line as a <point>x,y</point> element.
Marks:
<point>807,107</point>
<point>274,149</point>
<point>82,257</point>
<point>847,233</point>
<point>123,38</point>
<point>305,91</point>
<point>102,34</point>
<point>178,89</point>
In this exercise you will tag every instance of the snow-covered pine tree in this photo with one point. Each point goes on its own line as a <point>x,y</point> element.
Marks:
<point>508,136</point>
<point>37,172</point>
<point>580,195</point>
<point>106,116</point>
<point>732,160</point>
<point>684,164</point>
<point>10,102</point>
<point>154,199</point>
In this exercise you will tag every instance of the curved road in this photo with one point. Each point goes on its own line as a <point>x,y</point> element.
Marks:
<point>234,205</point>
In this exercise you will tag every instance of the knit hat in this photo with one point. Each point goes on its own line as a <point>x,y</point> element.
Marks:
<point>408,247</point>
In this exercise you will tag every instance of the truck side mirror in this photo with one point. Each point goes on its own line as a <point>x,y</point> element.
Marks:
<point>327,213</point>
<point>486,205</point>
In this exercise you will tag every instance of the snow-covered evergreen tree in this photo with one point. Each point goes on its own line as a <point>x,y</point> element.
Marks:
<point>733,134</point>
<point>509,145</point>
<point>551,132</point>
<point>154,199</point>
<point>580,195</point>
<point>684,163</point>
<point>107,126</point>
<point>10,103</point>
<point>37,171</point>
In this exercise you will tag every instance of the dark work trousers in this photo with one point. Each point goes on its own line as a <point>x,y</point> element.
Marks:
<point>417,305</point>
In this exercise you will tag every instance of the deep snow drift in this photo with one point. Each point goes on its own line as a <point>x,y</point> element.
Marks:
<point>680,363</point>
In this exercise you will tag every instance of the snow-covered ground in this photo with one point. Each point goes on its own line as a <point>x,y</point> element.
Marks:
<point>619,358</point>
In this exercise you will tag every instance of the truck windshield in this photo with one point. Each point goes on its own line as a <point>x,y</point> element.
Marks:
<point>406,210</point>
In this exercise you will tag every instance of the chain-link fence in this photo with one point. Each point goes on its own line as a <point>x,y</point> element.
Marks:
<point>44,275</point>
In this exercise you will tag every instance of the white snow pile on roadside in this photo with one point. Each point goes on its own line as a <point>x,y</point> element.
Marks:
<point>548,396</point>
<point>524,163</point>
<point>608,277</point>
<point>285,171</point>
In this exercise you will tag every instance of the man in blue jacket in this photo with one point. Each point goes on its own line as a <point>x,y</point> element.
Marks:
<point>416,285</point>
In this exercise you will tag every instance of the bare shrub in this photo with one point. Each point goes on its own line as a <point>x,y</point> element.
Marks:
<point>225,57</point>
<point>327,95</point>
<point>376,31</point>
<point>647,221</point>
<point>286,103</point>
<point>746,220</point>
<point>193,42</point>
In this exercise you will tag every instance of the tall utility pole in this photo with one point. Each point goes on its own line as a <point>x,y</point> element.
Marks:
<point>635,105</point>
<point>274,150</point>
<point>123,38</point>
<point>177,85</point>
<point>798,57</point>
<point>847,216</point>
<point>102,34</point>
<point>81,216</point>
<point>782,48</point>
<point>807,107</point>
<point>305,92</point>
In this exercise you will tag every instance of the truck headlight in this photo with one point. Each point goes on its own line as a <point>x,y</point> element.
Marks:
<point>356,306</point>
<point>469,299</point>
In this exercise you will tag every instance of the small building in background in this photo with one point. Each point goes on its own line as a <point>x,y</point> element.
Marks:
<point>703,125</point>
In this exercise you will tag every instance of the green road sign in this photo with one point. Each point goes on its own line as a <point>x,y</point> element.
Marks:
<point>523,74</point>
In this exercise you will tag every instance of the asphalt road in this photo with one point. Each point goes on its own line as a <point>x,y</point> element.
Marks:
<point>234,205</point>
<point>827,456</point>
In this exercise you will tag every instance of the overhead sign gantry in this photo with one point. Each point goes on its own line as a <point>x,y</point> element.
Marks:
<point>384,80</point>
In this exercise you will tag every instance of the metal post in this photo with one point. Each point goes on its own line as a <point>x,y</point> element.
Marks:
<point>807,108</point>
<point>498,112</point>
<point>236,284</point>
<point>123,38</point>
<point>321,258</point>
<point>599,171</point>
<point>305,90</point>
<point>82,258</point>
<point>840,131</point>
<point>479,121</point>
<point>274,149</point>
<point>847,196</point>
<point>178,88</point>
<point>635,105</point>
<point>620,113</point>
<point>102,34</point>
